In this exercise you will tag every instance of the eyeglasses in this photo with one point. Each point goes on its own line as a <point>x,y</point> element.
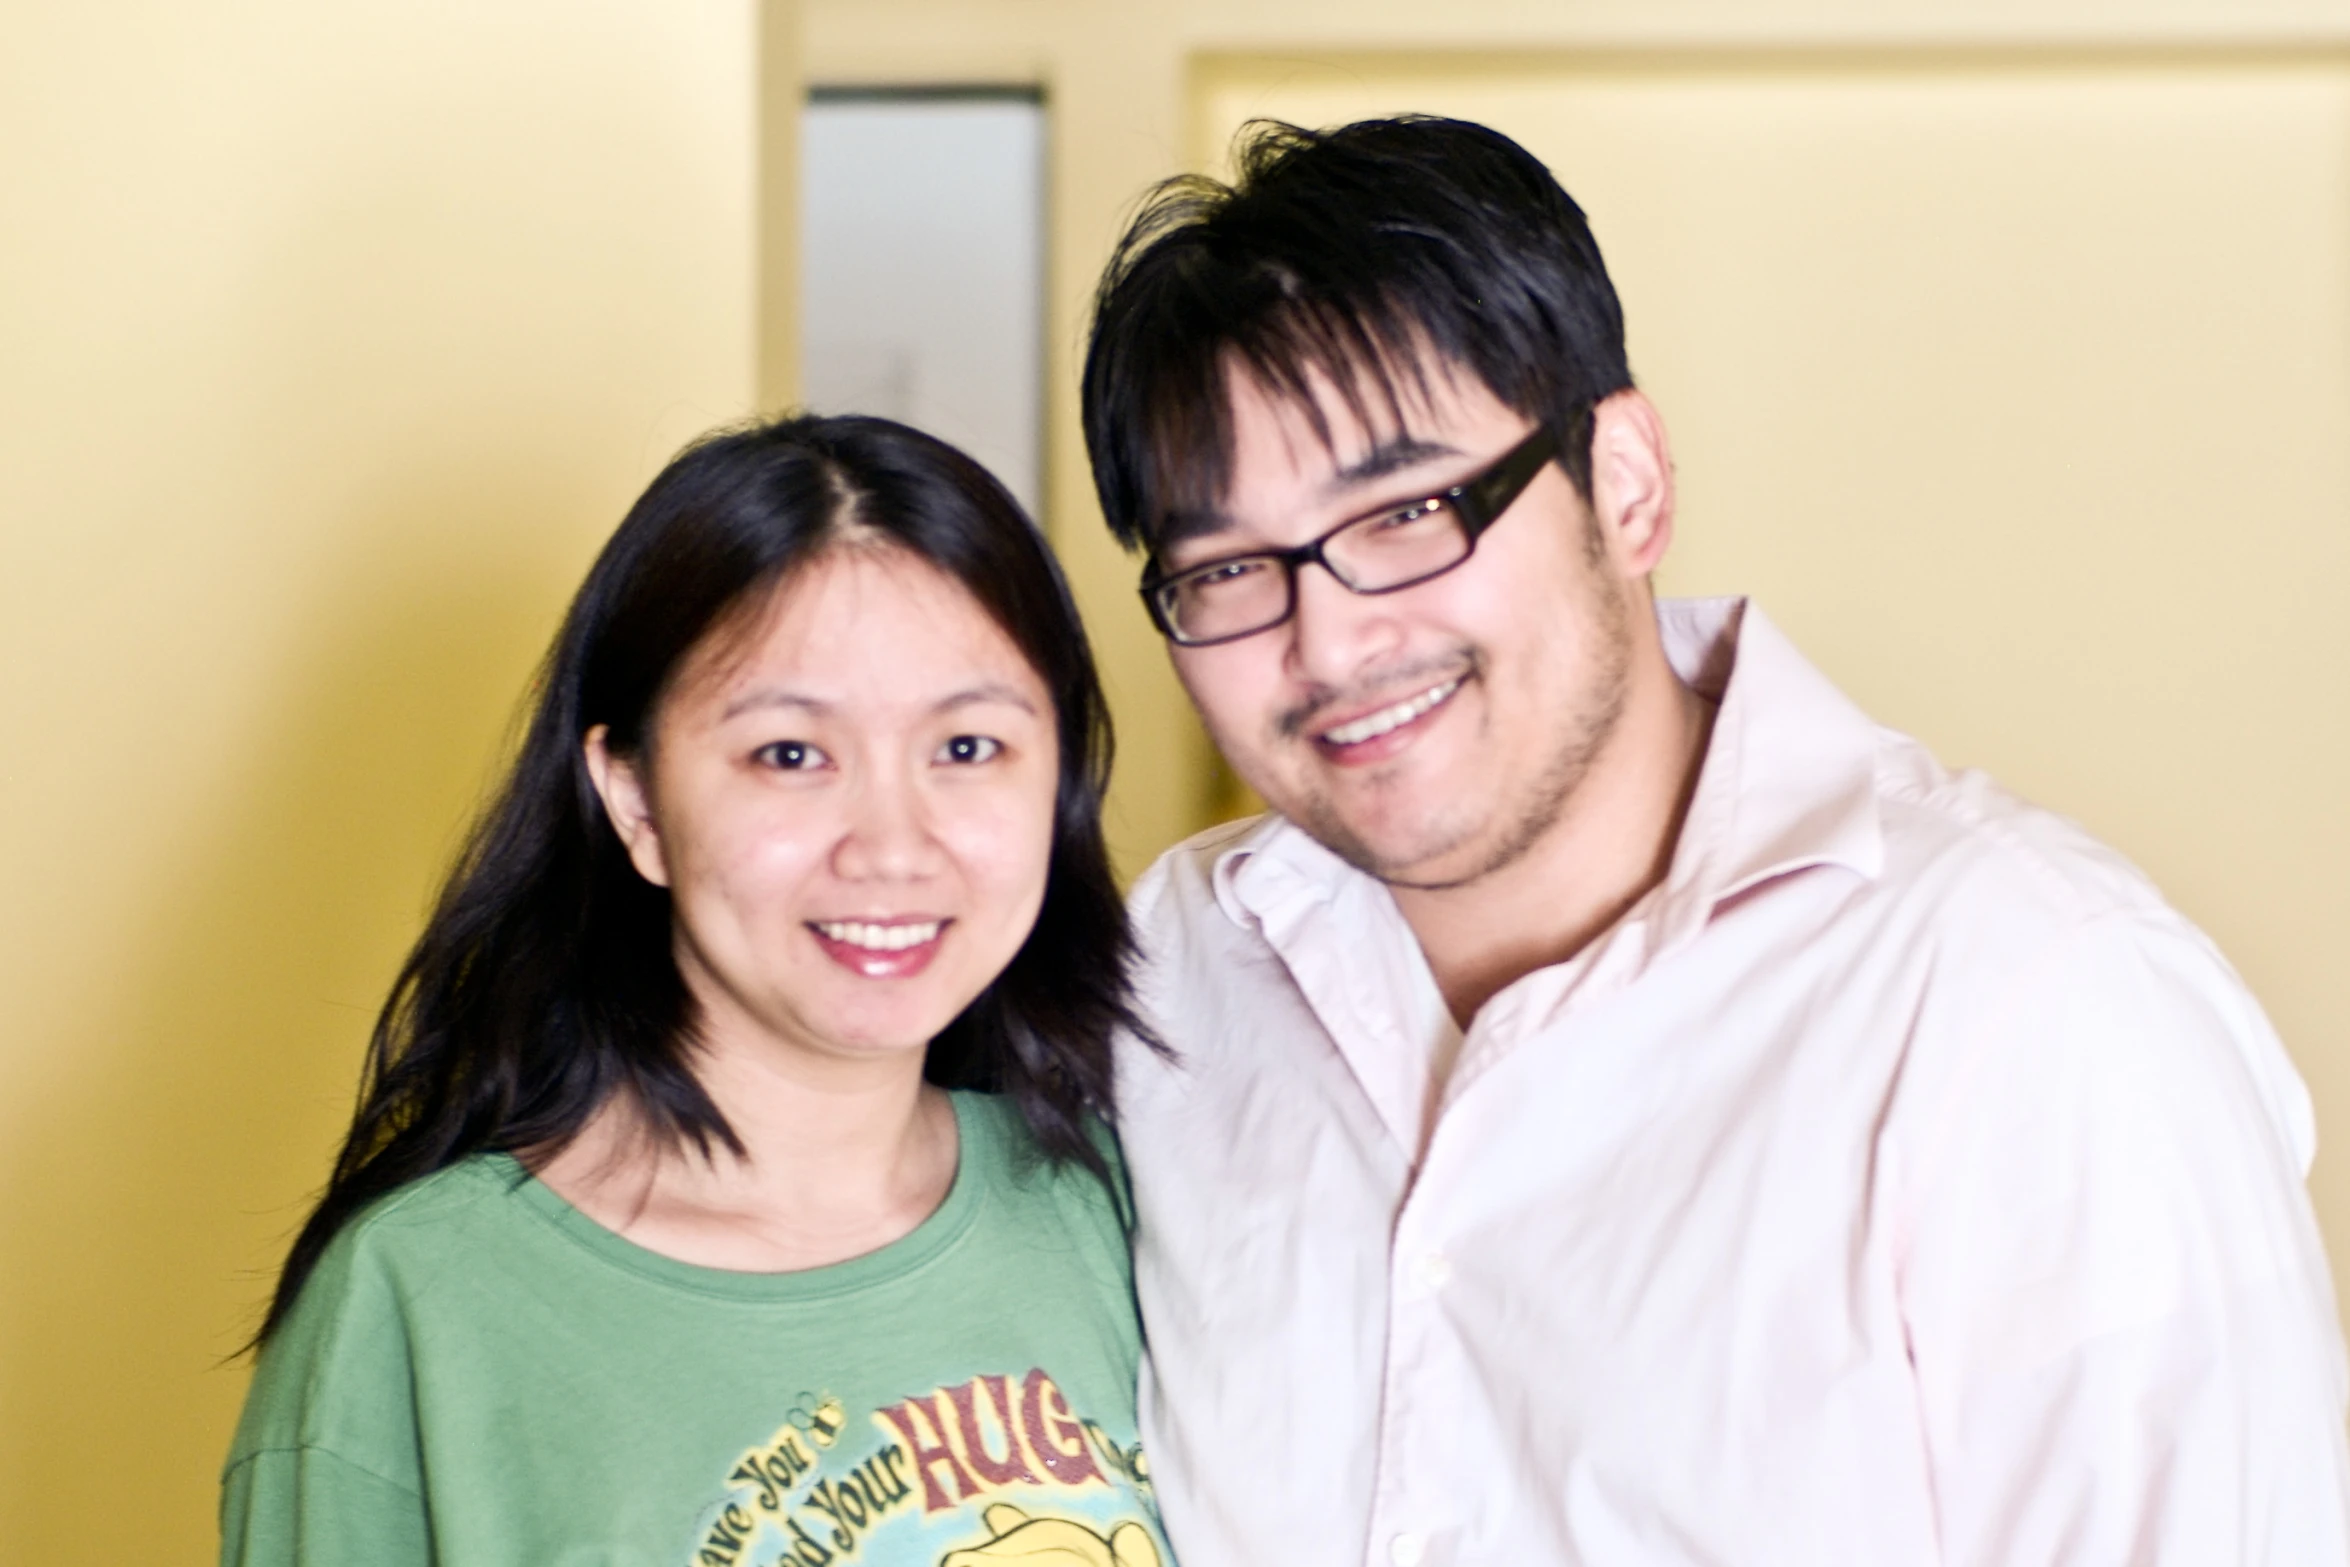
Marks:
<point>1238,596</point>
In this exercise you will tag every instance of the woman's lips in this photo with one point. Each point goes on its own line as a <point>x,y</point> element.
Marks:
<point>880,949</point>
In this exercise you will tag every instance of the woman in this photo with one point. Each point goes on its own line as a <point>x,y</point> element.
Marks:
<point>727,1186</point>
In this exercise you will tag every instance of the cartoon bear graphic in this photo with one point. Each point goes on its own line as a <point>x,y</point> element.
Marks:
<point>1053,1542</point>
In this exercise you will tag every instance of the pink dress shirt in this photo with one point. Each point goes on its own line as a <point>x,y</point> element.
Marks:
<point>1901,1181</point>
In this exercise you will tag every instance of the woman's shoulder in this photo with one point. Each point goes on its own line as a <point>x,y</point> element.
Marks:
<point>344,1343</point>
<point>1055,1201</point>
<point>418,1225</point>
<point>1010,1149</point>
<point>426,1222</point>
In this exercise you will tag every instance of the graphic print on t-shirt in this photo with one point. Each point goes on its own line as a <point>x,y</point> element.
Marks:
<point>995,1468</point>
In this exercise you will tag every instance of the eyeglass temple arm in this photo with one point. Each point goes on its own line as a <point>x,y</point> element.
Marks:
<point>1491,496</point>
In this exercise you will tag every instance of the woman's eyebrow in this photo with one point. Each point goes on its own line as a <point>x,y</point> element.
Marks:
<point>773,696</point>
<point>986,691</point>
<point>968,696</point>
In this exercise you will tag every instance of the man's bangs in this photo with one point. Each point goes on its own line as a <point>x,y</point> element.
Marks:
<point>1309,357</point>
<point>1342,270</point>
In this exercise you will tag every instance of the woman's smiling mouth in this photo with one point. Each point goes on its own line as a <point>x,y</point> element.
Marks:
<point>880,949</point>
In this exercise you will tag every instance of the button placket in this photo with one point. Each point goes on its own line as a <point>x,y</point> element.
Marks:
<point>1418,1272</point>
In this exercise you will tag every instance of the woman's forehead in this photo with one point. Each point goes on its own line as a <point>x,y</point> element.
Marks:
<point>865,620</point>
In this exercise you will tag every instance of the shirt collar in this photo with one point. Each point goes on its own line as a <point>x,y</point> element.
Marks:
<point>1788,782</point>
<point>1789,779</point>
<point>1275,867</point>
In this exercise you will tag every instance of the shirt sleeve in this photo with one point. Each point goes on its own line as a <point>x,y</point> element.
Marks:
<point>2119,1311</point>
<point>305,1506</point>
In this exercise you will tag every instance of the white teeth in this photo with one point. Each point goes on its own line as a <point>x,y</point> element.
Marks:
<point>879,938</point>
<point>1376,724</point>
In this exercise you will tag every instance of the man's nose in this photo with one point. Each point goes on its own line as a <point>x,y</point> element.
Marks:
<point>1334,631</point>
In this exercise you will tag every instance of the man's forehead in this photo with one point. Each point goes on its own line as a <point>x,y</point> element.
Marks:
<point>1325,438</point>
<point>1332,422</point>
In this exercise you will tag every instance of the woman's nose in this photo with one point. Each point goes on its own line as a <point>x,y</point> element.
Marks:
<point>887,836</point>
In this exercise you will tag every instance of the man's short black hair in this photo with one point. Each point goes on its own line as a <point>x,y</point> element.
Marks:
<point>1362,254</point>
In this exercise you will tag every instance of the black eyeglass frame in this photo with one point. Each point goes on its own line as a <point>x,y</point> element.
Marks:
<point>1478,501</point>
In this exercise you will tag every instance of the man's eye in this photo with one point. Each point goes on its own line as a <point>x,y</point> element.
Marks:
<point>791,756</point>
<point>1406,516</point>
<point>970,748</point>
<point>1224,574</point>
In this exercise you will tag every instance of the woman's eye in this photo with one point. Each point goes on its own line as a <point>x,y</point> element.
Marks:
<point>791,755</point>
<point>969,748</point>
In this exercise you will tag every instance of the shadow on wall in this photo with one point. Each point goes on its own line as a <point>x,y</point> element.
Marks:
<point>160,1182</point>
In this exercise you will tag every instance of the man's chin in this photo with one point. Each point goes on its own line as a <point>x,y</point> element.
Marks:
<point>1390,846</point>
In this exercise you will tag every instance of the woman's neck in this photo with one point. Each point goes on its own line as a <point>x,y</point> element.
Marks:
<point>839,1159</point>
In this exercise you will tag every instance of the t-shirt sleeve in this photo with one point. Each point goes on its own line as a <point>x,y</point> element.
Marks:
<point>305,1506</point>
<point>326,1466</point>
<point>2118,1307</point>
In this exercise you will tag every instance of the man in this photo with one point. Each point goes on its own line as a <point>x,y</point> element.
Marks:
<point>1627,1107</point>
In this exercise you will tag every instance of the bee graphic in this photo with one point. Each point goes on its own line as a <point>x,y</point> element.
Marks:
<point>821,1416</point>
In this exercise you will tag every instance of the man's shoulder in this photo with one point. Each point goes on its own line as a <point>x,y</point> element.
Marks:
<point>1959,843</point>
<point>1180,886</point>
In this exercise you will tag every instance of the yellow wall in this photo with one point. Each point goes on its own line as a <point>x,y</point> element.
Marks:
<point>333,339</point>
<point>2006,345</point>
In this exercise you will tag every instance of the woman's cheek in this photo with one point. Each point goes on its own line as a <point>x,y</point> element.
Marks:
<point>1004,844</point>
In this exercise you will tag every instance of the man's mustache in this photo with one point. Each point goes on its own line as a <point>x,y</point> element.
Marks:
<point>1395,682</point>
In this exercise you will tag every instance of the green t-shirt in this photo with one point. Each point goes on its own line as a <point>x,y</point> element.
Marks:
<point>478,1374</point>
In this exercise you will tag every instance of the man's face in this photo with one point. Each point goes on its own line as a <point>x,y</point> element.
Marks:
<point>1432,735</point>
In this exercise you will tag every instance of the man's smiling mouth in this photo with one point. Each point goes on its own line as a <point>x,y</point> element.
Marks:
<point>1372,725</point>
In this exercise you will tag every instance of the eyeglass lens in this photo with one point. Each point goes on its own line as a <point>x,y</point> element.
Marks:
<point>1370,555</point>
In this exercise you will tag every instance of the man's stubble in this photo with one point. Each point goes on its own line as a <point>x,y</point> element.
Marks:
<point>1585,732</point>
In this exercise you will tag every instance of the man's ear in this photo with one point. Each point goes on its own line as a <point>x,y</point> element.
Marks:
<point>628,806</point>
<point>1632,481</point>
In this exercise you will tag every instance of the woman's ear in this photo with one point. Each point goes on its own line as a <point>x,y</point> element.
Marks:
<point>627,805</point>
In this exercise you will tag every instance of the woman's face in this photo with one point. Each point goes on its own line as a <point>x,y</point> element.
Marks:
<point>851,802</point>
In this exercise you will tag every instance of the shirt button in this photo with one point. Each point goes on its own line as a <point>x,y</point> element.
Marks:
<point>1435,1272</point>
<point>1407,1549</point>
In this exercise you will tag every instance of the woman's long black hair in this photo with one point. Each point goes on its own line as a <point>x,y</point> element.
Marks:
<point>544,983</point>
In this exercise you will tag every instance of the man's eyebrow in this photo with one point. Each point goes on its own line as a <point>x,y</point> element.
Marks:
<point>1192,523</point>
<point>1387,457</point>
<point>1381,460</point>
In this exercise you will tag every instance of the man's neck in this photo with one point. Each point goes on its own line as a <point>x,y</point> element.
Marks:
<point>1612,843</point>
